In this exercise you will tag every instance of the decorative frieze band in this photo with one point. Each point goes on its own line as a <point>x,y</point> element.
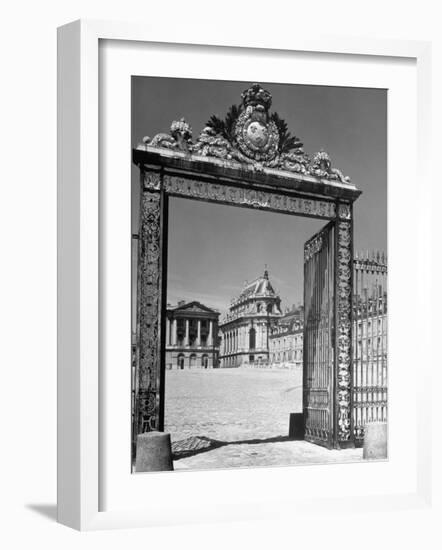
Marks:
<point>248,197</point>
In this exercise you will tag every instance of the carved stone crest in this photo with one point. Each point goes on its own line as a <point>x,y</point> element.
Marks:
<point>256,134</point>
<point>251,135</point>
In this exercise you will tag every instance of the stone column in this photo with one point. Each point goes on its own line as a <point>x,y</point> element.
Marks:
<point>174,329</point>
<point>167,331</point>
<point>210,337</point>
<point>186,337</point>
<point>198,336</point>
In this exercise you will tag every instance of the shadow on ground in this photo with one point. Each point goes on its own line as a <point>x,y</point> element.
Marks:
<point>49,511</point>
<point>195,445</point>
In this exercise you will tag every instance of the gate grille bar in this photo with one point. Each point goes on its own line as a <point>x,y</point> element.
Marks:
<point>318,328</point>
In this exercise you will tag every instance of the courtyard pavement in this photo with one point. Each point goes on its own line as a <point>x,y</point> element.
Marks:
<point>230,418</point>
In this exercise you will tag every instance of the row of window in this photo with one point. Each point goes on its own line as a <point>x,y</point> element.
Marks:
<point>288,342</point>
<point>192,361</point>
<point>192,342</point>
<point>293,355</point>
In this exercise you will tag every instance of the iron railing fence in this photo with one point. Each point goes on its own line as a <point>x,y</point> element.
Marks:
<point>370,380</point>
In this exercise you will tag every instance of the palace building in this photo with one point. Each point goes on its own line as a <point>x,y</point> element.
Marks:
<point>245,329</point>
<point>191,336</point>
<point>286,340</point>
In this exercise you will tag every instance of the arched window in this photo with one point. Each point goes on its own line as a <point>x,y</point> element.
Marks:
<point>192,361</point>
<point>205,361</point>
<point>252,338</point>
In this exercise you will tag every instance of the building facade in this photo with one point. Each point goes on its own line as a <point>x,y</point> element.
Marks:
<point>245,329</point>
<point>370,318</point>
<point>286,340</point>
<point>191,336</point>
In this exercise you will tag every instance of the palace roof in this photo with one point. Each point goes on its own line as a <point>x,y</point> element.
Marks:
<point>258,288</point>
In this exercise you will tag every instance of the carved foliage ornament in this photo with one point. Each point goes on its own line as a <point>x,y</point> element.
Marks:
<point>148,313</point>
<point>344,329</point>
<point>251,135</point>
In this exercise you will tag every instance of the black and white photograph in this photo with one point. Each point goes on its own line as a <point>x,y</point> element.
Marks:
<point>259,274</point>
<point>221,292</point>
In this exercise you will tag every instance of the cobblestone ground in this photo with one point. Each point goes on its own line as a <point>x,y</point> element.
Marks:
<point>226,418</point>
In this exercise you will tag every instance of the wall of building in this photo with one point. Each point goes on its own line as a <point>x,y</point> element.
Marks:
<point>191,337</point>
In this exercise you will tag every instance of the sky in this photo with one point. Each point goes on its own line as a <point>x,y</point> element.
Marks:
<point>214,249</point>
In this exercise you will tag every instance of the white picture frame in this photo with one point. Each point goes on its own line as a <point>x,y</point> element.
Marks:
<point>79,274</point>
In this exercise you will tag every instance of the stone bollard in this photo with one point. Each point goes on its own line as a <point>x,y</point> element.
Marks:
<point>296,426</point>
<point>375,441</point>
<point>154,452</point>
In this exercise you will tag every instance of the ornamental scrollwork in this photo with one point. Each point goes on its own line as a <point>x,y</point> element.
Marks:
<point>152,181</point>
<point>344,211</point>
<point>179,138</point>
<point>251,135</point>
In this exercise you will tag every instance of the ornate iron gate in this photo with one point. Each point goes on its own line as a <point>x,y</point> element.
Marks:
<point>318,354</point>
<point>250,160</point>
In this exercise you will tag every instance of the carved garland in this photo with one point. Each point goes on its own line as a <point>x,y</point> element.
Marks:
<point>344,327</point>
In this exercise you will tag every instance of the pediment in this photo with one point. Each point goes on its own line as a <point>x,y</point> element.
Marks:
<point>194,307</point>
